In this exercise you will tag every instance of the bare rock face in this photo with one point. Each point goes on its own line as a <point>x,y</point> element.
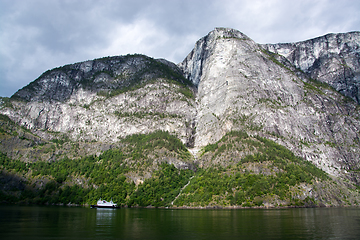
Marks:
<point>241,85</point>
<point>87,116</point>
<point>332,59</point>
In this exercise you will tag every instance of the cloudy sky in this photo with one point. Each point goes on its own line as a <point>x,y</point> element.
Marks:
<point>37,35</point>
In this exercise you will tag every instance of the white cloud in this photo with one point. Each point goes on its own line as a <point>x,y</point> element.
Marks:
<point>287,21</point>
<point>141,36</point>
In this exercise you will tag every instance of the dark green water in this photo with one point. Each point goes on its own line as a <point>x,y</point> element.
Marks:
<point>83,223</point>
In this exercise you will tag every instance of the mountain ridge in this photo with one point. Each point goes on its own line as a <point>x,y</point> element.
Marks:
<point>343,51</point>
<point>100,75</point>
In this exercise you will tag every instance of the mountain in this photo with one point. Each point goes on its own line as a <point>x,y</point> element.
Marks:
<point>269,125</point>
<point>241,85</point>
<point>107,98</point>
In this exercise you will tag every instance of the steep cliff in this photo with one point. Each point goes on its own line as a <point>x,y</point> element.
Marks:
<point>242,86</point>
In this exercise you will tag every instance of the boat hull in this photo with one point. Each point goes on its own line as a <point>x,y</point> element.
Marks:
<point>97,206</point>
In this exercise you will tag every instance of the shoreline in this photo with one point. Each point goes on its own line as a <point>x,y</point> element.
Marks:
<point>188,207</point>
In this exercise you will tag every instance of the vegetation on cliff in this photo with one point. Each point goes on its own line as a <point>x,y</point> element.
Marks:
<point>272,174</point>
<point>86,179</point>
<point>268,175</point>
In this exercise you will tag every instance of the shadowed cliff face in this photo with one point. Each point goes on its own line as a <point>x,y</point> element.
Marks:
<point>227,83</point>
<point>241,85</point>
<point>332,59</point>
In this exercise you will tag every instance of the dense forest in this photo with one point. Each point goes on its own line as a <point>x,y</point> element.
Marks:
<point>268,174</point>
<point>86,179</point>
<point>104,177</point>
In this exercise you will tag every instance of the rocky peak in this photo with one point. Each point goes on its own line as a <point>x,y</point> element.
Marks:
<point>332,59</point>
<point>220,32</point>
<point>245,86</point>
<point>192,65</point>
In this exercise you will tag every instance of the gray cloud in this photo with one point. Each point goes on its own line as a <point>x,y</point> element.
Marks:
<point>38,35</point>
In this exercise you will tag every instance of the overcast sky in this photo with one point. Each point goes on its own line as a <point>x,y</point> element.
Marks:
<point>37,35</point>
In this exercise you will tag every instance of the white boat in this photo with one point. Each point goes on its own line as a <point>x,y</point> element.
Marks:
<point>104,204</point>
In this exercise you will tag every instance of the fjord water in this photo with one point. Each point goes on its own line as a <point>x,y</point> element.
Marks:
<point>31,222</point>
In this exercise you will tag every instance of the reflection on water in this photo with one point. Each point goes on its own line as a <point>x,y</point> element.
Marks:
<point>85,223</point>
<point>104,215</point>
<point>104,222</point>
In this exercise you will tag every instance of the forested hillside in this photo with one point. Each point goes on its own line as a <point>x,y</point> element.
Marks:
<point>268,175</point>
